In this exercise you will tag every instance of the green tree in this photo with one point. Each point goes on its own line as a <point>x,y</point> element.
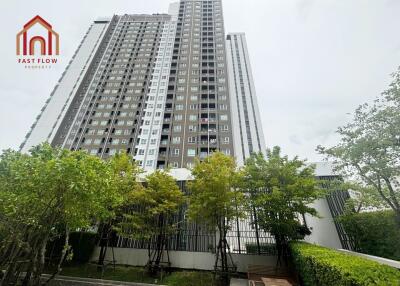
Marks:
<point>150,215</point>
<point>125,174</point>
<point>362,197</point>
<point>45,195</point>
<point>214,201</point>
<point>281,191</point>
<point>369,148</point>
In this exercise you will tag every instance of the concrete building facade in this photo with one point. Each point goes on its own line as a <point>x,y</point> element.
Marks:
<point>248,136</point>
<point>160,87</point>
<point>166,89</point>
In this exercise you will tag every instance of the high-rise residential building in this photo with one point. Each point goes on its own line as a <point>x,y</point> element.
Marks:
<point>248,136</point>
<point>197,117</point>
<point>103,100</point>
<point>165,88</point>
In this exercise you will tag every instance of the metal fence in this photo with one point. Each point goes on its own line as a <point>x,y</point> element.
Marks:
<point>244,236</point>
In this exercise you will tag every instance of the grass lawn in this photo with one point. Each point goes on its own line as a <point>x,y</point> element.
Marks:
<point>138,274</point>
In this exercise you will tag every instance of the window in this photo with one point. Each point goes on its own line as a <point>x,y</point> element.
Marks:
<point>191,152</point>
<point>224,117</point>
<point>176,140</point>
<point>176,152</point>
<point>192,117</point>
<point>192,128</point>
<point>177,128</point>
<point>192,139</point>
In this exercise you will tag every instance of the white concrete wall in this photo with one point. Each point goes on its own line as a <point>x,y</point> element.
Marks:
<point>381,260</point>
<point>324,231</point>
<point>184,259</point>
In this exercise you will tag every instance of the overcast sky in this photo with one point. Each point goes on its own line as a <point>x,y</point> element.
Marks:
<point>314,61</point>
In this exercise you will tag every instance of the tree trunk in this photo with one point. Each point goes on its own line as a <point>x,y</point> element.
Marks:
<point>159,243</point>
<point>63,255</point>
<point>10,273</point>
<point>28,274</point>
<point>397,217</point>
<point>104,236</point>
<point>40,261</point>
<point>224,275</point>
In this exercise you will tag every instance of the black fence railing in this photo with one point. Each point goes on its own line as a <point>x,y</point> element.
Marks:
<point>244,236</point>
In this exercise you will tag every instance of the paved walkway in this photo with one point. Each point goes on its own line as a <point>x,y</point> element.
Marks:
<point>75,281</point>
<point>239,282</point>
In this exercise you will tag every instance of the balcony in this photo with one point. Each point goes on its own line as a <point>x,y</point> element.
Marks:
<point>203,155</point>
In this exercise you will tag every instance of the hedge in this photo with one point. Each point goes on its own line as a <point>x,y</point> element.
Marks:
<point>374,233</point>
<point>318,265</point>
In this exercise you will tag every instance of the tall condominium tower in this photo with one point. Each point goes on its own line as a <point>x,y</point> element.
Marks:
<point>197,111</point>
<point>166,89</point>
<point>157,87</point>
<point>248,136</point>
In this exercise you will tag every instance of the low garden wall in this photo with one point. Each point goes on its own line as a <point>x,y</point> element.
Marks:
<point>183,259</point>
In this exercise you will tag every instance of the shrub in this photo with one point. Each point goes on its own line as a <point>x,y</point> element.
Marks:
<point>82,245</point>
<point>374,233</point>
<point>318,265</point>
